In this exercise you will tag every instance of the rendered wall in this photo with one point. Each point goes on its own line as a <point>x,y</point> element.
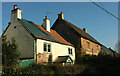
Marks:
<point>56,49</point>
<point>23,39</point>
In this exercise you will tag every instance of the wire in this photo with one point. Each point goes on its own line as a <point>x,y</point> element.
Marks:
<point>104,10</point>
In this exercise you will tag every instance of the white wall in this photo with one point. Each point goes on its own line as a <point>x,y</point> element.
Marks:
<point>56,49</point>
<point>23,39</point>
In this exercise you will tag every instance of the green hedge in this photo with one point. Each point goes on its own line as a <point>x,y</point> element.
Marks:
<point>46,69</point>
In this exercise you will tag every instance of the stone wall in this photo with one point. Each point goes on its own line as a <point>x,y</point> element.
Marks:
<point>89,47</point>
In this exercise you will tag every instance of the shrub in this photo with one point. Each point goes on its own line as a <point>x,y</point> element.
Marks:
<point>10,54</point>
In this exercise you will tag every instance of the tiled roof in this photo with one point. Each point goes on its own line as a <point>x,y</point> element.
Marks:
<point>76,29</point>
<point>35,30</point>
<point>39,32</point>
<point>55,35</point>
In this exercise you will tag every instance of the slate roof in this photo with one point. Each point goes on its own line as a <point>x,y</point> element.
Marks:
<point>76,29</point>
<point>39,32</point>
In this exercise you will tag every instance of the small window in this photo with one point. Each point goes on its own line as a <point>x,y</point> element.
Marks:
<point>14,26</point>
<point>45,47</point>
<point>69,51</point>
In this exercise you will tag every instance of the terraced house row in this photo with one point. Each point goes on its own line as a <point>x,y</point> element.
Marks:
<point>42,44</point>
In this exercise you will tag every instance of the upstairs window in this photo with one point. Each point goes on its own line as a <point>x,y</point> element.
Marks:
<point>47,47</point>
<point>70,51</point>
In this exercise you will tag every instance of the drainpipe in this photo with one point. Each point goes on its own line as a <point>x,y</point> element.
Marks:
<point>35,49</point>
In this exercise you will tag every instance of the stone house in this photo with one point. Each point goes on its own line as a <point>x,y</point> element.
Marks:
<point>37,43</point>
<point>76,36</point>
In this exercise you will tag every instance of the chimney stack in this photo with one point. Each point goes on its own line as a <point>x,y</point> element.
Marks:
<point>15,14</point>
<point>46,24</point>
<point>61,16</point>
<point>84,29</point>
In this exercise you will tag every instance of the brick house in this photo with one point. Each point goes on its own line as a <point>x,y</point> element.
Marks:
<point>76,36</point>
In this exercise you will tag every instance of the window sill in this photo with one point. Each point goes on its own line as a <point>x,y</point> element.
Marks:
<point>47,52</point>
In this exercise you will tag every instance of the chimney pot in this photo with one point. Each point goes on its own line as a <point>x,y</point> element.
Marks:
<point>46,17</point>
<point>84,29</point>
<point>61,15</point>
<point>15,6</point>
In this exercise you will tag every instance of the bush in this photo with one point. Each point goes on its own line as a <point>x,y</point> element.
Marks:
<point>51,69</point>
<point>10,54</point>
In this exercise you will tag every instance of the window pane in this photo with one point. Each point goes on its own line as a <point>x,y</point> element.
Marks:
<point>49,48</point>
<point>45,47</point>
<point>68,50</point>
<point>71,51</point>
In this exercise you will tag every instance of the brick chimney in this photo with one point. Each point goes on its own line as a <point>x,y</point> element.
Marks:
<point>84,29</point>
<point>46,24</point>
<point>15,14</point>
<point>61,16</point>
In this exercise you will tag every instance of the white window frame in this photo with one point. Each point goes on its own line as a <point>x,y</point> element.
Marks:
<point>70,52</point>
<point>47,44</point>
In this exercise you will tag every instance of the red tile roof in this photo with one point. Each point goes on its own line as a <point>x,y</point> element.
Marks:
<point>53,34</point>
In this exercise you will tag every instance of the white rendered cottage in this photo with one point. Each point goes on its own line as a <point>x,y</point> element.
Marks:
<point>38,43</point>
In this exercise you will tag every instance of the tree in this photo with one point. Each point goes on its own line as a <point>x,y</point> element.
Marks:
<point>10,54</point>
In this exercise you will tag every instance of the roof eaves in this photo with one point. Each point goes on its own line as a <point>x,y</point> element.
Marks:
<point>51,40</point>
